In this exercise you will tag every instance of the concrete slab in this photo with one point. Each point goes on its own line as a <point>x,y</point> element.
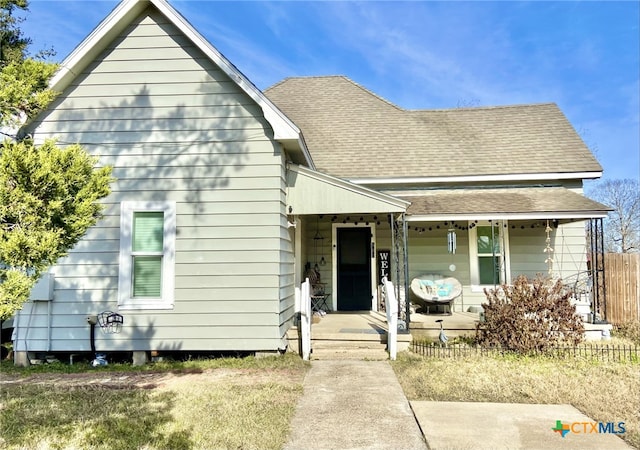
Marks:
<point>460,425</point>
<point>353,405</point>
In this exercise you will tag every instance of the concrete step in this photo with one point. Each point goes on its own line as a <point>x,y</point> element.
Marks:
<point>350,353</point>
<point>338,343</point>
<point>343,337</point>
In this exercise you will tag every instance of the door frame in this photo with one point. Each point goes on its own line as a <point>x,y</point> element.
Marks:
<point>334,257</point>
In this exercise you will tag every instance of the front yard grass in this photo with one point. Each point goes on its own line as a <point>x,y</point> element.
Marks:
<point>607,392</point>
<point>211,404</point>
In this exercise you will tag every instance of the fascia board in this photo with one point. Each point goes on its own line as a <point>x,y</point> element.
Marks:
<point>514,216</point>
<point>284,129</point>
<point>328,179</point>
<point>90,47</point>
<point>477,178</point>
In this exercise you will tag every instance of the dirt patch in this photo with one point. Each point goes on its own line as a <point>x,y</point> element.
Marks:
<point>152,380</point>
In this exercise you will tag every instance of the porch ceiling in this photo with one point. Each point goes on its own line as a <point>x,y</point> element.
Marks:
<point>502,203</point>
<point>311,192</point>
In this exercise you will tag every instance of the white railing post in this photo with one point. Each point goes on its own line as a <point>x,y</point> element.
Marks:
<point>391,305</point>
<point>305,319</point>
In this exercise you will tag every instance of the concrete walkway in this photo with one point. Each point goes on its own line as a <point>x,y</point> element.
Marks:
<point>351,404</point>
<point>465,425</point>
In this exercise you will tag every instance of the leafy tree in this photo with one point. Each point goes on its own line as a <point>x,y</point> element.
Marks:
<point>48,195</point>
<point>622,227</point>
<point>13,45</point>
<point>48,199</point>
<point>23,80</point>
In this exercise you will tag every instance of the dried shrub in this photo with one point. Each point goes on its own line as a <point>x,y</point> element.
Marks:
<point>628,330</point>
<point>529,316</point>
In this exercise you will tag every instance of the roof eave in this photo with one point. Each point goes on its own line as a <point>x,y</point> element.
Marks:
<point>96,41</point>
<point>587,175</point>
<point>537,215</point>
<point>285,131</point>
<point>387,203</point>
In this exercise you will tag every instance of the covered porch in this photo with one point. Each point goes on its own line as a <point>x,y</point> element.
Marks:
<point>485,237</point>
<point>346,239</point>
<point>363,334</point>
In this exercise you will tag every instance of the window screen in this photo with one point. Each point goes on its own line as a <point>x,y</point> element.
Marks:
<point>147,243</point>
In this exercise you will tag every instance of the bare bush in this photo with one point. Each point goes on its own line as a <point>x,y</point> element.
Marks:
<point>529,315</point>
<point>628,330</point>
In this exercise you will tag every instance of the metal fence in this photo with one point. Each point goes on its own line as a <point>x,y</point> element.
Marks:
<point>604,353</point>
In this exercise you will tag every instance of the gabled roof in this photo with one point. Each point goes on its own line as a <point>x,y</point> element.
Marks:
<point>285,131</point>
<point>354,134</point>
<point>312,192</point>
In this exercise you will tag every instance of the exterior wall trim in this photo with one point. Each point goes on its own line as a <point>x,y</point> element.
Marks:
<point>515,216</point>
<point>284,129</point>
<point>477,178</point>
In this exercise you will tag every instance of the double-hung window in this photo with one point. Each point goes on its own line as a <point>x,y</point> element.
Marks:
<point>489,254</point>
<point>147,255</point>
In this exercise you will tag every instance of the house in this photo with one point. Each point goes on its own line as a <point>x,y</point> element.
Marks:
<point>227,196</point>
<point>496,178</point>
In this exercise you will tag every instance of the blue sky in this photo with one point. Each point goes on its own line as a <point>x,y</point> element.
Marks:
<point>584,56</point>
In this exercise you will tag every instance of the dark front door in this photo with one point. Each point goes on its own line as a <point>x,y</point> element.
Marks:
<point>354,269</point>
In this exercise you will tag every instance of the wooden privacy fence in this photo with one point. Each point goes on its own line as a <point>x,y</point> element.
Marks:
<point>613,353</point>
<point>622,278</point>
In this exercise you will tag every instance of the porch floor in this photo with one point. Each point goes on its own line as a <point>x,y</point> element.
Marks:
<point>338,324</point>
<point>372,326</point>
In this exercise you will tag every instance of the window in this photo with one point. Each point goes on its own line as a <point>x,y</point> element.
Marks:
<point>489,253</point>
<point>147,255</point>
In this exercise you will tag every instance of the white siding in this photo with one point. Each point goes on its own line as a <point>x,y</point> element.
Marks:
<point>428,253</point>
<point>568,242</point>
<point>176,128</point>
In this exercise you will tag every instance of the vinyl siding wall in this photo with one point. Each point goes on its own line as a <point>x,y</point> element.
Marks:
<point>174,127</point>
<point>568,242</point>
<point>428,254</point>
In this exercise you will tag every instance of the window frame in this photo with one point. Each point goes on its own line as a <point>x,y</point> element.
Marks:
<point>126,300</point>
<point>503,255</point>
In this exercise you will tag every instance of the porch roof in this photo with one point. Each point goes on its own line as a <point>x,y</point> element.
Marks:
<point>312,192</point>
<point>501,203</point>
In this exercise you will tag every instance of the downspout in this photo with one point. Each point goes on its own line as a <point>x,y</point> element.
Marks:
<point>48,326</point>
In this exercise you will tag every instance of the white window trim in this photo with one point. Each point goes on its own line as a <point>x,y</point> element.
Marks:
<point>125,279</point>
<point>474,269</point>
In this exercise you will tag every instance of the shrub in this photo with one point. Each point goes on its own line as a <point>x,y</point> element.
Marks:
<point>529,316</point>
<point>628,330</point>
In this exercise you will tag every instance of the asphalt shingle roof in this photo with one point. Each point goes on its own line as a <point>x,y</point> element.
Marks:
<point>352,133</point>
<point>500,201</point>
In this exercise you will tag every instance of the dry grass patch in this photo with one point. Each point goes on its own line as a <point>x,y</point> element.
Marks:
<point>199,408</point>
<point>607,392</point>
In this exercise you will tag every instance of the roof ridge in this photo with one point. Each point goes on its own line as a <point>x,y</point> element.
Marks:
<point>305,77</point>
<point>373,94</point>
<point>483,108</point>
<point>343,77</point>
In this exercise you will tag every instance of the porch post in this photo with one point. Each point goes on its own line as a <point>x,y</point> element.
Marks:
<point>405,233</point>
<point>596,235</point>
<point>394,252</point>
